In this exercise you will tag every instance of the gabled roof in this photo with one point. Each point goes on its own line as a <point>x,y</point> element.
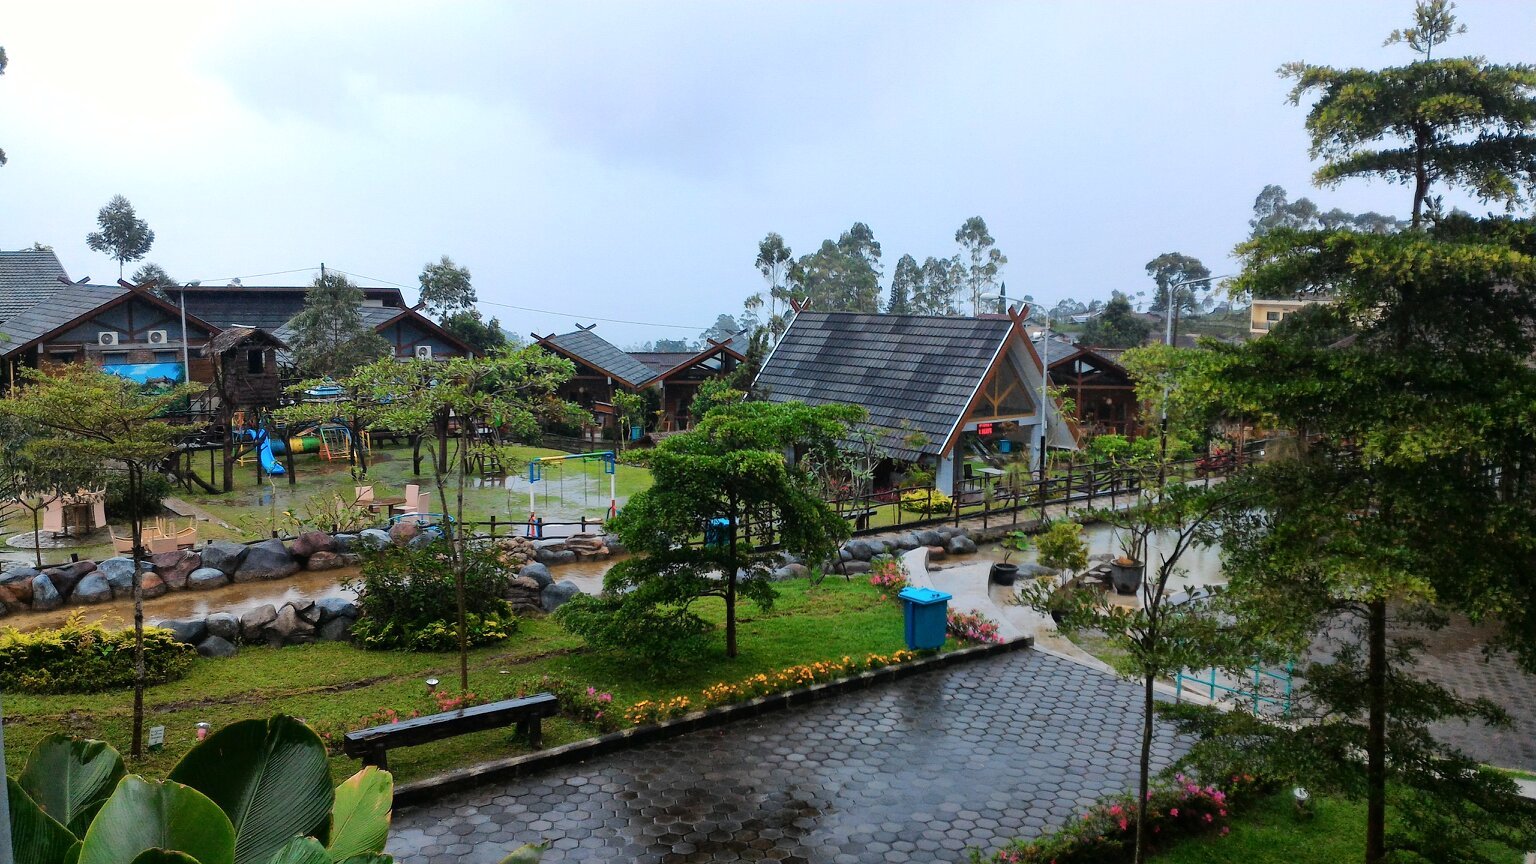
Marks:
<point>912,373</point>
<point>587,347</point>
<point>72,304</point>
<point>266,307</point>
<point>668,363</point>
<point>662,361</point>
<point>369,315</point>
<point>27,278</point>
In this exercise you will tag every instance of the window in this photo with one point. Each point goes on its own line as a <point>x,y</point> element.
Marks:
<point>61,356</point>
<point>167,356</point>
<point>114,358</point>
<point>256,361</point>
<point>1271,316</point>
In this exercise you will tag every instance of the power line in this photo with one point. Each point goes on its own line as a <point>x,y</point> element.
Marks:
<point>259,275</point>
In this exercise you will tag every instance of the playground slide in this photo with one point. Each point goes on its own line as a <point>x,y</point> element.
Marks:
<point>269,462</point>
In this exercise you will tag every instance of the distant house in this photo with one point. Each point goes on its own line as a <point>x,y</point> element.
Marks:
<point>603,369</point>
<point>1265,314</point>
<point>1102,392</point>
<point>956,395</point>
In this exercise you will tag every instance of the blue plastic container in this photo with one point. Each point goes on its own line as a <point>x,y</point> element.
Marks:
<point>927,617</point>
<point>717,532</point>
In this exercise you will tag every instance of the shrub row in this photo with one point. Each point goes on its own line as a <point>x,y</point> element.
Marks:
<point>80,658</point>
<point>761,684</point>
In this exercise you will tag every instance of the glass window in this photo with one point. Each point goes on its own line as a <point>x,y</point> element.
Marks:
<point>1271,316</point>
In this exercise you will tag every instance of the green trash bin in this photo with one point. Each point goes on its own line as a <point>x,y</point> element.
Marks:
<point>927,617</point>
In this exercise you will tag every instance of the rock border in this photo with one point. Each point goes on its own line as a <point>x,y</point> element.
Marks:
<point>514,767</point>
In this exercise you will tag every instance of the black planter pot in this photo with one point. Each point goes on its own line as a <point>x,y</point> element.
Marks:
<point>1126,577</point>
<point>1004,574</point>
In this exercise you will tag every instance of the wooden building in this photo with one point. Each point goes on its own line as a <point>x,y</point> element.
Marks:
<point>1102,392</point>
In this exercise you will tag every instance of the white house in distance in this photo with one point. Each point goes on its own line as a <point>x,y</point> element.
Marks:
<point>957,395</point>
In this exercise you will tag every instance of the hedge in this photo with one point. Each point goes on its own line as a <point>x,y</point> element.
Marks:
<point>81,658</point>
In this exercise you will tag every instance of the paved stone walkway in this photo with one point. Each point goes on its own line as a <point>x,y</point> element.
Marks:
<point>916,771</point>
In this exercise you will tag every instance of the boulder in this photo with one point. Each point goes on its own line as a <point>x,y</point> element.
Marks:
<point>961,545</point>
<point>253,621</point>
<point>524,595</point>
<point>906,542</point>
<point>324,561</point>
<point>335,607</point>
<point>844,554</point>
<point>16,586</point>
<point>554,596</point>
<point>188,631</point>
<point>310,542</point>
<point>555,556</point>
<point>539,573</point>
<point>1031,570</point>
<point>288,628</point>
<point>937,553</point>
<point>268,559</point>
<point>854,568</point>
<point>345,542</point>
<point>225,555</point>
<point>45,597</point>
<point>65,576</point>
<point>152,586</point>
<point>216,646</point>
<point>205,578</point>
<point>615,547</point>
<point>307,610</point>
<point>336,630</point>
<point>944,531</point>
<point>91,590</point>
<point>175,567</point>
<point>861,550</point>
<point>928,537</point>
<point>119,573</point>
<point>223,625</point>
<point>404,531</point>
<point>425,537</point>
<point>372,538</point>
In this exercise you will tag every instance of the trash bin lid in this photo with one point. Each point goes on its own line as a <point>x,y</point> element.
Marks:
<point>924,596</point>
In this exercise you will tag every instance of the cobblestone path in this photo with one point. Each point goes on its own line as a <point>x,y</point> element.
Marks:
<point>916,771</point>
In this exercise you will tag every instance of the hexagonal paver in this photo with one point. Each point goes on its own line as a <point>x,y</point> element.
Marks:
<point>916,771</point>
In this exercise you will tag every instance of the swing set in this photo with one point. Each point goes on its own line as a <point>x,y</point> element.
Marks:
<point>537,470</point>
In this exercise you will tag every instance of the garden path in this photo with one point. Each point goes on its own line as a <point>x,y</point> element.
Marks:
<point>914,771</point>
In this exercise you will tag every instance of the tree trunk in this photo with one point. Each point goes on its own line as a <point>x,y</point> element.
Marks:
<point>456,531</point>
<point>1144,769</point>
<point>229,454</point>
<point>136,524</point>
<point>416,454</point>
<point>1420,175</point>
<point>37,539</point>
<point>730,590</point>
<point>442,443</point>
<point>1376,735</point>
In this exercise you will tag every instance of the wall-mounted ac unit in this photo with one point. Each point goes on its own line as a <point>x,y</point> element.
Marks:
<point>158,337</point>
<point>423,352</point>
<point>106,337</point>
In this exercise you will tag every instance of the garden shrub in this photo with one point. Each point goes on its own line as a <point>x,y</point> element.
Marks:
<point>86,658</point>
<point>888,575</point>
<point>405,598</point>
<point>1106,834</point>
<point>153,488</point>
<point>655,635</point>
<point>972,627</point>
<point>925,501</point>
<point>1103,448</point>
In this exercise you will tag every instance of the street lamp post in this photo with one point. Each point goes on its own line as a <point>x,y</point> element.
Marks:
<point>1168,340</point>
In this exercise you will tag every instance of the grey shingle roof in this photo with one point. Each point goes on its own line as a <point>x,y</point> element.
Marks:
<point>64,306</point>
<point>662,361</point>
<point>599,353</point>
<point>913,373</point>
<point>27,277</point>
<point>267,308</point>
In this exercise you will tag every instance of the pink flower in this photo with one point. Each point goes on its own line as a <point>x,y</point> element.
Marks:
<point>1174,812</point>
<point>1208,817</point>
<point>605,697</point>
<point>1116,810</point>
<point>591,691</point>
<point>1225,830</point>
<point>1223,812</point>
<point>1123,824</point>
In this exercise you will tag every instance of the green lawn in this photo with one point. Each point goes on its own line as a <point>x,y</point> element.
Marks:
<point>1267,832</point>
<point>332,683</point>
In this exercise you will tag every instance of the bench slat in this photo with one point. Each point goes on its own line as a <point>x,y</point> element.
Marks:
<point>434,727</point>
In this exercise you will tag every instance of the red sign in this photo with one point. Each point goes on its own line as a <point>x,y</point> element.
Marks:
<point>983,428</point>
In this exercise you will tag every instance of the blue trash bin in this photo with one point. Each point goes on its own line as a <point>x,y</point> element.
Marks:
<point>927,617</point>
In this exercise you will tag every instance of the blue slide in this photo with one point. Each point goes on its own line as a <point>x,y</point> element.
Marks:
<point>269,462</point>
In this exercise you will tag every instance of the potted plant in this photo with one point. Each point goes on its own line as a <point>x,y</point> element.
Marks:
<point>1126,571</point>
<point>1062,548</point>
<point>1005,571</point>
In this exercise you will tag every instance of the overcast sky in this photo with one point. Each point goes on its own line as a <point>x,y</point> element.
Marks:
<point>621,161</point>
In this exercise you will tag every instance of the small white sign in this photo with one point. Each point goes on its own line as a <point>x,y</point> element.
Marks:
<point>156,737</point>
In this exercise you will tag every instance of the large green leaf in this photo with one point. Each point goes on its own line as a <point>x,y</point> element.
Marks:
<point>164,856</point>
<point>528,853</point>
<point>301,850</point>
<point>143,815</point>
<point>360,817</point>
<point>269,776</point>
<point>36,837</point>
<point>70,779</point>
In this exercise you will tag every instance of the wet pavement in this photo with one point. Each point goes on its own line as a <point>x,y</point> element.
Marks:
<point>915,771</point>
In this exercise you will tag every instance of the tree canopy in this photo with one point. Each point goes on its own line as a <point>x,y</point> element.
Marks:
<point>986,260</point>
<point>123,236</point>
<point>1117,326</point>
<point>446,288</point>
<point>330,337</point>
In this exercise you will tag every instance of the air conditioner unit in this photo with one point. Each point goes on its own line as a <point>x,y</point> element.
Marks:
<point>423,352</point>
<point>158,337</point>
<point>106,337</point>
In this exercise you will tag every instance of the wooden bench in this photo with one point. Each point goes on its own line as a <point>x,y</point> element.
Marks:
<point>371,745</point>
<point>860,518</point>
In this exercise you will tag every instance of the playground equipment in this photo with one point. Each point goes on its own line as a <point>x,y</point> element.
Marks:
<point>264,452</point>
<point>536,471</point>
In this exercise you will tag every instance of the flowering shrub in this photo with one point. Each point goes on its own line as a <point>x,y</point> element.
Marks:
<point>761,684</point>
<point>86,658</point>
<point>580,702</point>
<point>973,627</point>
<point>1106,834</point>
<point>888,575</point>
<point>925,501</point>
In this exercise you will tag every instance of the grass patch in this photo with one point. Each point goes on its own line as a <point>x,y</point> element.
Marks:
<point>1266,832</point>
<point>328,683</point>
